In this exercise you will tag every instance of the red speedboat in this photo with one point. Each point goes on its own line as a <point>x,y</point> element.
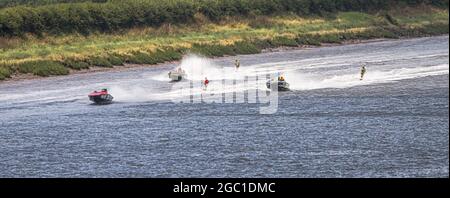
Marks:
<point>101,97</point>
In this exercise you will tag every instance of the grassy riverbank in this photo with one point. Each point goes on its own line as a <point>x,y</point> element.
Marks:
<point>48,54</point>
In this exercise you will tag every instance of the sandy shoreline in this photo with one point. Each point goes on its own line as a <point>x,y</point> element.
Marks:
<point>126,67</point>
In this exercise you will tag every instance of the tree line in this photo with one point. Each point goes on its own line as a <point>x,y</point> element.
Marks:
<point>114,15</point>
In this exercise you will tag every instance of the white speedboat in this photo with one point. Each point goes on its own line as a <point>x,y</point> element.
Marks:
<point>177,75</point>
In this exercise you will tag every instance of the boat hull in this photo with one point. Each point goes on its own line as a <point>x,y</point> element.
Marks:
<point>282,85</point>
<point>101,99</point>
<point>174,76</point>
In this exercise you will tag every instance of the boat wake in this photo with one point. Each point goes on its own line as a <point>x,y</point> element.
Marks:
<point>310,81</point>
<point>335,71</point>
<point>299,77</point>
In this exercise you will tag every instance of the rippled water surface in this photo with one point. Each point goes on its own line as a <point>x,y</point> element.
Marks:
<point>392,124</point>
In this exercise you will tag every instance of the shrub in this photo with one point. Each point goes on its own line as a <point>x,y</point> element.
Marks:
<point>246,47</point>
<point>99,61</point>
<point>329,38</point>
<point>75,64</point>
<point>212,50</point>
<point>140,58</point>
<point>115,60</point>
<point>173,54</point>
<point>284,41</point>
<point>435,29</point>
<point>26,67</point>
<point>262,43</point>
<point>307,40</point>
<point>4,72</point>
<point>43,68</point>
<point>49,69</point>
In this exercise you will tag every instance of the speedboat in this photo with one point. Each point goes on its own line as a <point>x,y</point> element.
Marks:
<point>101,97</point>
<point>282,85</point>
<point>177,75</point>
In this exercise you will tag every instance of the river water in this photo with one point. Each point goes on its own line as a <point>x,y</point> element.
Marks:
<point>394,123</point>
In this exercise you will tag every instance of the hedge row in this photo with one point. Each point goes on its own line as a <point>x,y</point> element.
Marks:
<point>12,3</point>
<point>117,15</point>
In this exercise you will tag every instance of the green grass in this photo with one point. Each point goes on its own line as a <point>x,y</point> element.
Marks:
<point>42,68</point>
<point>56,55</point>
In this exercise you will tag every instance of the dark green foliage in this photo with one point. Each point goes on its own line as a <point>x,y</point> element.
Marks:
<point>159,56</point>
<point>27,67</point>
<point>328,38</point>
<point>427,30</point>
<point>11,3</point>
<point>262,44</point>
<point>391,20</point>
<point>93,17</point>
<point>173,54</point>
<point>283,41</point>
<point>307,40</point>
<point>246,47</point>
<point>42,68</point>
<point>75,64</point>
<point>115,15</point>
<point>213,50</point>
<point>115,60</point>
<point>435,29</point>
<point>53,68</point>
<point>438,3</point>
<point>140,58</point>
<point>99,61</point>
<point>5,72</point>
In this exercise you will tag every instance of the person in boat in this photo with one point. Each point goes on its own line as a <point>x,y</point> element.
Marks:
<point>237,64</point>
<point>280,78</point>
<point>363,71</point>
